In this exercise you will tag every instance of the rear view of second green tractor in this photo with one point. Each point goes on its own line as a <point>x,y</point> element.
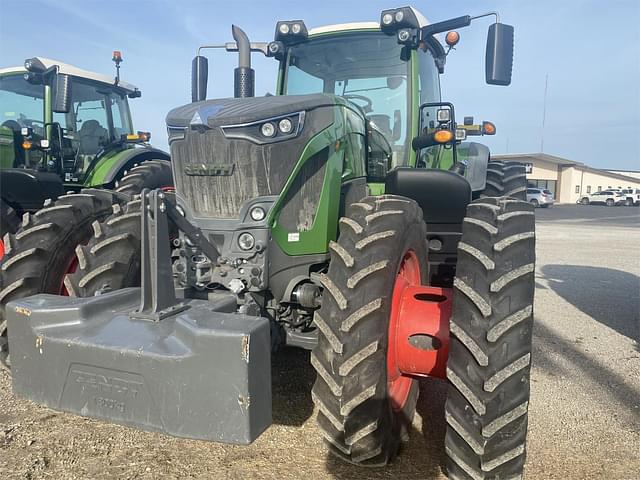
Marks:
<point>341,215</point>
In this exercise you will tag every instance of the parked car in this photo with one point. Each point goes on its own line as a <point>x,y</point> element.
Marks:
<point>632,196</point>
<point>607,197</point>
<point>539,197</point>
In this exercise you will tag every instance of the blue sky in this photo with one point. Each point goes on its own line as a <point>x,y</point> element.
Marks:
<point>589,49</point>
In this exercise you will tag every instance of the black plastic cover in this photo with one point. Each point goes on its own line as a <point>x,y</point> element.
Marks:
<point>442,195</point>
<point>28,189</point>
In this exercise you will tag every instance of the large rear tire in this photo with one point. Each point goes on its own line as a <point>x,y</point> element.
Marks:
<point>42,251</point>
<point>111,258</point>
<point>364,405</point>
<point>490,349</point>
<point>151,174</point>
<point>505,179</point>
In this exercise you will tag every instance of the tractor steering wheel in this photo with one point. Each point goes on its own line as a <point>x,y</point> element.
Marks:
<point>368,104</point>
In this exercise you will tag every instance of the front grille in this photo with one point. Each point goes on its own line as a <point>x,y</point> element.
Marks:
<point>223,174</point>
<point>217,175</point>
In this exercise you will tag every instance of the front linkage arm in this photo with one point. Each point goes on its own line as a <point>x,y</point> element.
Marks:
<point>157,294</point>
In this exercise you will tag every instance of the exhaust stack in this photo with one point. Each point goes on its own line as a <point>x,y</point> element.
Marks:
<point>244,75</point>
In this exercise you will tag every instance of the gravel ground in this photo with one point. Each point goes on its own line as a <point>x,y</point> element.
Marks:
<point>584,414</point>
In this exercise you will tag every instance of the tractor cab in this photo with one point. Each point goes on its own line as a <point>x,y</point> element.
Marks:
<point>58,118</point>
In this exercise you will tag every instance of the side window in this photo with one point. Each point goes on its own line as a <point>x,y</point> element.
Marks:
<point>429,87</point>
<point>119,117</point>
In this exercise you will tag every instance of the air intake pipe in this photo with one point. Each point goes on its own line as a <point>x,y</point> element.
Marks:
<point>243,81</point>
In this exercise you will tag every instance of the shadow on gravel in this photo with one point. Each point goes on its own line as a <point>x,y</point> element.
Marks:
<point>611,297</point>
<point>547,346</point>
<point>292,377</point>
<point>423,456</point>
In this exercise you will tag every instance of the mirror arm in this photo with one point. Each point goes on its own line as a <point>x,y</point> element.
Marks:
<point>488,14</point>
<point>261,47</point>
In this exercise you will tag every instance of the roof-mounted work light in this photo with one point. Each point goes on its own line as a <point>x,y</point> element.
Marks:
<point>398,18</point>
<point>292,31</point>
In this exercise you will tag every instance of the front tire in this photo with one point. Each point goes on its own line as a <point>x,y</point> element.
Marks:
<point>364,406</point>
<point>610,203</point>
<point>151,174</point>
<point>584,201</point>
<point>111,258</point>
<point>535,203</point>
<point>42,251</point>
<point>490,350</point>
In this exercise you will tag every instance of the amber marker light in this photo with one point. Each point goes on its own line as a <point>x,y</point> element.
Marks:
<point>452,38</point>
<point>443,136</point>
<point>488,128</point>
<point>27,145</point>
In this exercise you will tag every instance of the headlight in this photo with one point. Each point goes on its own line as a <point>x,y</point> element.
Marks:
<point>296,28</point>
<point>399,16</point>
<point>285,126</point>
<point>246,241</point>
<point>257,214</point>
<point>268,130</point>
<point>387,18</point>
<point>284,28</point>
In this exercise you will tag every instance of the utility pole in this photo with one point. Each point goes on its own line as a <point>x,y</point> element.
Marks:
<point>544,112</point>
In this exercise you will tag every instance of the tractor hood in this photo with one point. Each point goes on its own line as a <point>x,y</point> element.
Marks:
<point>224,157</point>
<point>235,111</point>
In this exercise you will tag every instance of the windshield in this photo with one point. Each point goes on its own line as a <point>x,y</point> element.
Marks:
<point>21,103</point>
<point>365,68</point>
<point>98,116</point>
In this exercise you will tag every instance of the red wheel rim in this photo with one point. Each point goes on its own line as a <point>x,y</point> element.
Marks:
<point>1,249</point>
<point>72,267</point>
<point>399,385</point>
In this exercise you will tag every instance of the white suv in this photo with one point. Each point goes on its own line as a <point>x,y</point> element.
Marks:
<point>632,196</point>
<point>608,197</point>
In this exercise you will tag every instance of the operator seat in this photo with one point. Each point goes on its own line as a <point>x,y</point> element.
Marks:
<point>383,123</point>
<point>17,141</point>
<point>92,137</point>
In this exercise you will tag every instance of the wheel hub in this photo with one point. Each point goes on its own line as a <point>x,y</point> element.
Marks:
<point>418,331</point>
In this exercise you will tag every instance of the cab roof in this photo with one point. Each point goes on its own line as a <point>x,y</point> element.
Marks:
<point>73,71</point>
<point>342,27</point>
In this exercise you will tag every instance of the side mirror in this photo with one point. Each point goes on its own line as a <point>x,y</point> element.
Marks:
<point>199,78</point>
<point>61,93</point>
<point>499,54</point>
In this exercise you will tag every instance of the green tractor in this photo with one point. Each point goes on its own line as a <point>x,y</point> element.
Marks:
<point>63,129</point>
<point>341,216</point>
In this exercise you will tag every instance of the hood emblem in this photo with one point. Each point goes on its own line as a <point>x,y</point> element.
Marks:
<point>209,170</point>
<point>202,115</point>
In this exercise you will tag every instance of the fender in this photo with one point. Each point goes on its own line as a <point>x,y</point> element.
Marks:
<point>111,166</point>
<point>26,190</point>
